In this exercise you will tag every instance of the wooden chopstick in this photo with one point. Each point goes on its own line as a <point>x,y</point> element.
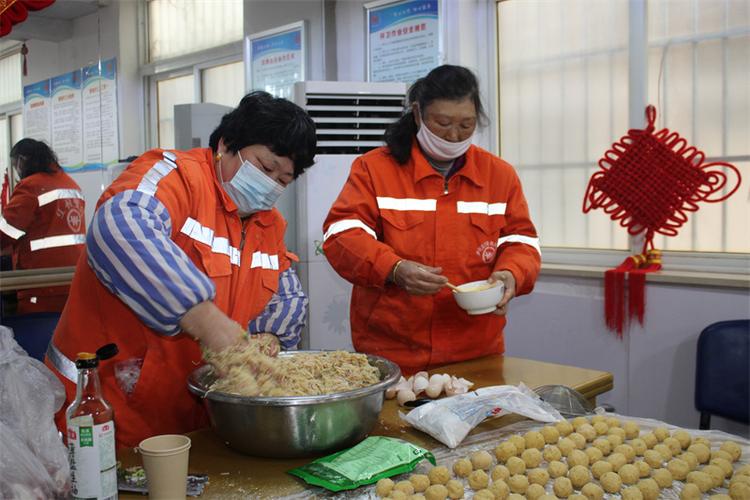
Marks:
<point>453,287</point>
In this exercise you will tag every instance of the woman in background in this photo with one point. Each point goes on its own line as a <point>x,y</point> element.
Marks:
<point>43,223</point>
<point>428,208</point>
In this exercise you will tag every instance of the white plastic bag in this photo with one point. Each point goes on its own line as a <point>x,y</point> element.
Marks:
<point>449,420</point>
<point>33,458</point>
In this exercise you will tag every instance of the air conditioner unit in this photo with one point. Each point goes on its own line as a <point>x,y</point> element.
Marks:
<point>351,118</point>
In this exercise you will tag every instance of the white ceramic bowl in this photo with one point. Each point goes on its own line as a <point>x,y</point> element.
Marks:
<point>479,297</point>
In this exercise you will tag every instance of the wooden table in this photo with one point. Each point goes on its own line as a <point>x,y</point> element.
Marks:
<point>234,475</point>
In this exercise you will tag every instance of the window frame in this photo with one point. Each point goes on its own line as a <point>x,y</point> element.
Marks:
<point>7,112</point>
<point>560,258</point>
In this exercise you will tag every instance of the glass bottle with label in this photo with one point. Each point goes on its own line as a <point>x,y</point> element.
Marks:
<point>91,432</point>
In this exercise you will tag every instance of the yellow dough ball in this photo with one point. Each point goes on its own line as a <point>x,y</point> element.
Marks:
<point>462,467</point>
<point>579,421</point>
<point>551,453</point>
<point>702,440</point>
<point>598,418</point>
<point>732,448</point>
<point>629,474</point>
<point>616,431</point>
<point>701,452</point>
<point>631,493</point>
<point>481,460</point>
<point>439,475</point>
<point>716,473</point>
<point>478,479</point>
<point>600,468</point>
<point>639,446</point>
<point>576,496</point>
<point>592,491</point>
<point>678,468</point>
<point>720,497</point>
<point>721,454</point>
<point>519,442</point>
<point>534,491</point>
<point>562,487</point>
<point>594,454</point>
<point>500,489</point>
<point>740,478</point>
<point>564,427</point>
<point>650,439</point>
<point>653,458</point>
<point>551,434</point>
<point>557,469</point>
<point>420,482</point>
<point>383,487</point>
<point>484,494</point>
<point>601,428</point>
<point>690,492</point>
<point>436,492</point>
<point>538,476</point>
<point>631,430</point>
<point>674,445</point>
<point>725,465</point>
<point>684,438</point>
<point>578,439</point>
<point>399,495</point>
<point>614,440</point>
<point>665,451</point>
<point>416,496</point>
<point>611,482</point>
<point>534,439</point>
<point>626,450</point>
<point>649,489</point>
<point>588,432</point>
<point>566,445</point>
<point>404,486</point>
<point>603,445</point>
<point>579,475</point>
<point>500,473</point>
<point>455,489</point>
<point>518,483</point>
<point>548,497</point>
<point>577,457</point>
<point>739,491</point>
<point>690,459</point>
<point>661,433</point>
<point>505,450</point>
<point>617,460</point>
<point>644,469</point>
<point>662,477</point>
<point>531,457</point>
<point>614,422</point>
<point>516,496</point>
<point>515,466</point>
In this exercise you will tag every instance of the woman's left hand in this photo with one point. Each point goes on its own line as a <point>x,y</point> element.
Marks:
<point>510,289</point>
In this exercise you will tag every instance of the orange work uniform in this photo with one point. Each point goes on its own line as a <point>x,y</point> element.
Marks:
<point>44,225</point>
<point>471,225</point>
<point>239,258</point>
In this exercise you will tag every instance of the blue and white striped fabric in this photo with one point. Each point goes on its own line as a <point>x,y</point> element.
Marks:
<point>285,313</point>
<point>132,254</point>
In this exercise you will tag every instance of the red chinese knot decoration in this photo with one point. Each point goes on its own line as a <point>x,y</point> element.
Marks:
<point>16,11</point>
<point>649,182</point>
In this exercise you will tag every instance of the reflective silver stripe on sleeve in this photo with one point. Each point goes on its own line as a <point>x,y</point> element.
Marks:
<point>406,204</point>
<point>58,194</point>
<point>345,225</point>
<point>11,231</point>
<point>57,241</point>
<point>480,207</point>
<point>517,238</point>
<point>265,261</point>
<point>62,364</point>
<point>150,181</point>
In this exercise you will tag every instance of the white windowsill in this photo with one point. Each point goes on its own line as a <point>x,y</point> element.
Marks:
<point>690,278</point>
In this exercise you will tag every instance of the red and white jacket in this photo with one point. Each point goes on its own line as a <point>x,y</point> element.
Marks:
<point>473,224</point>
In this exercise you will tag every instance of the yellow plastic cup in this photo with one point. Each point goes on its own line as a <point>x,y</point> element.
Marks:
<point>165,459</point>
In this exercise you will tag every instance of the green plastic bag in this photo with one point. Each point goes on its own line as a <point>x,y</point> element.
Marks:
<point>374,458</point>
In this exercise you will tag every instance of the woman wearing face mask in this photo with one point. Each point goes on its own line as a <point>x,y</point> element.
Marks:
<point>186,251</point>
<point>429,208</point>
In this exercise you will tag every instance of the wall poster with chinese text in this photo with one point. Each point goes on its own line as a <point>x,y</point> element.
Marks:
<point>276,59</point>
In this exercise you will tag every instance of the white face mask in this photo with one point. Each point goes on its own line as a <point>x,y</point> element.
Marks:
<point>250,189</point>
<point>438,148</point>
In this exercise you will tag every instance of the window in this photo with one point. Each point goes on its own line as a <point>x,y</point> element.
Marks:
<point>170,92</point>
<point>223,84</point>
<point>11,120</point>
<point>178,27</point>
<point>564,98</point>
<point>10,79</point>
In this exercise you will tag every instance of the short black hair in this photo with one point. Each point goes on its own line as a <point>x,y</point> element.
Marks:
<point>282,126</point>
<point>453,83</point>
<point>35,157</point>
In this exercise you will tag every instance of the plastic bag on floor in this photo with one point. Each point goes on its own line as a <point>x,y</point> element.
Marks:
<point>33,458</point>
<point>449,420</point>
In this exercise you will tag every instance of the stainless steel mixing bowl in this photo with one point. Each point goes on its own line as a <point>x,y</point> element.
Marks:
<point>296,426</point>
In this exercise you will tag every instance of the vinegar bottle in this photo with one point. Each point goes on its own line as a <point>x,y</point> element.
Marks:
<point>91,432</point>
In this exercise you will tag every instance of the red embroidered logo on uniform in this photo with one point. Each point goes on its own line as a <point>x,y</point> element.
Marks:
<point>487,251</point>
<point>74,220</point>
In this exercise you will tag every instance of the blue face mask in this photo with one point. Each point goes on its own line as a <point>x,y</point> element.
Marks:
<point>252,190</point>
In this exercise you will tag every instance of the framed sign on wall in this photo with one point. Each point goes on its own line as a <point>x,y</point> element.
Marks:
<point>275,59</point>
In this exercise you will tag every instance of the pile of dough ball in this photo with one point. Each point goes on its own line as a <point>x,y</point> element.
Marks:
<point>584,459</point>
<point>431,386</point>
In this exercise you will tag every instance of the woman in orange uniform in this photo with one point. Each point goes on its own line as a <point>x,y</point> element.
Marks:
<point>428,208</point>
<point>43,224</point>
<point>186,249</point>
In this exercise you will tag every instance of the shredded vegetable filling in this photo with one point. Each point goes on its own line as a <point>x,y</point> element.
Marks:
<point>250,372</point>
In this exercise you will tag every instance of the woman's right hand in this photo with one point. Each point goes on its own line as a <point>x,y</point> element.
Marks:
<point>419,279</point>
<point>212,328</point>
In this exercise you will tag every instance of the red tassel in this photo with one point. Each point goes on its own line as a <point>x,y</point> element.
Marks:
<point>614,293</point>
<point>24,51</point>
<point>637,284</point>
